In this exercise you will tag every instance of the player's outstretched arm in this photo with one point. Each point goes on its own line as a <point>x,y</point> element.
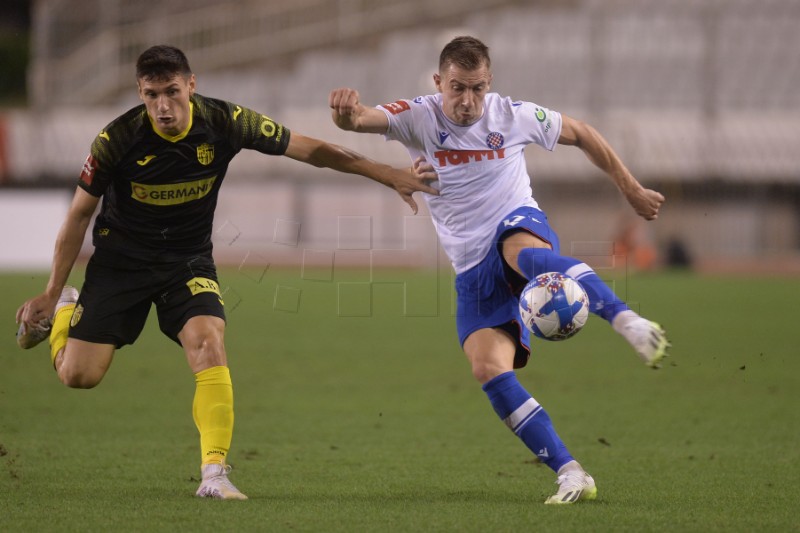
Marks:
<point>646,202</point>
<point>68,245</point>
<point>349,114</point>
<point>323,154</point>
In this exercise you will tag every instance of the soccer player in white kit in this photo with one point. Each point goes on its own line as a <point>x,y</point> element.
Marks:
<point>494,233</point>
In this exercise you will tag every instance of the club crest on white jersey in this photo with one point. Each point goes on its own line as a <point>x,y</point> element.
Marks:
<point>482,173</point>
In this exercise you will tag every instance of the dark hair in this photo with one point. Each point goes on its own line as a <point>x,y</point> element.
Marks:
<point>161,63</point>
<point>466,52</point>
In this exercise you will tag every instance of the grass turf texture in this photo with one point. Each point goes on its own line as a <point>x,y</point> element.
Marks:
<point>374,423</point>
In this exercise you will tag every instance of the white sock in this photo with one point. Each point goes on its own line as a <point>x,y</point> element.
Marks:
<point>572,465</point>
<point>622,319</point>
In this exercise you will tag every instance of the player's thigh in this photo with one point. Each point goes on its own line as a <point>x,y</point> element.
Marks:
<point>83,364</point>
<point>525,227</point>
<point>114,301</point>
<point>491,352</point>
<point>517,241</point>
<point>192,291</point>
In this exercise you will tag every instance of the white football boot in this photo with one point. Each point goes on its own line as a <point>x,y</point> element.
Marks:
<point>216,484</point>
<point>573,486</point>
<point>648,338</point>
<point>28,337</point>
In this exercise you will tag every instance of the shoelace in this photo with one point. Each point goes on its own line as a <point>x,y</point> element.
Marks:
<point>570,481</point>
<point>222,478</point>
<point>41,327</point>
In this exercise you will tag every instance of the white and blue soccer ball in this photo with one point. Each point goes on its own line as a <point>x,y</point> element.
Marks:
<point>554,306</point>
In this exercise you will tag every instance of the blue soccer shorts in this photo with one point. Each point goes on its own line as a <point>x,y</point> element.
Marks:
<point>488,293</point>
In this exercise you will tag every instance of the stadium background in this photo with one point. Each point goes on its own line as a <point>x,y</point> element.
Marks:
<point>355,408</point>
<point>699,98</point>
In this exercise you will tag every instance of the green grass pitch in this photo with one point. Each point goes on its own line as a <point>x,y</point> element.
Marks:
<point>373,422</point>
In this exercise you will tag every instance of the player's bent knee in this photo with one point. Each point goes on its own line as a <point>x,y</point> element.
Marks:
<point>203,341</point>
<point>484,372</point>
<point>486,368</point>
<point>75,378</point>
<point>82,365</point>
<point>490,352</point>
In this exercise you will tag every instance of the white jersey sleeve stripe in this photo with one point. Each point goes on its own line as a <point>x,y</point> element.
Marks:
<point>578,271</point>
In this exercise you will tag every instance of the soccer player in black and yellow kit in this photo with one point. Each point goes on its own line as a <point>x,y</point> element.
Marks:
<point>158,169</point>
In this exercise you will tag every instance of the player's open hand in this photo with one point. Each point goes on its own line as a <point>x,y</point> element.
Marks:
<point>424,170</point>
<point>646,202</point>
<point>418,178</point>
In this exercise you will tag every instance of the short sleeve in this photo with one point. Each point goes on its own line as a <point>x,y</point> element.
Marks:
<point>96,173</point>
<point>539,125</point>
<point>255,131</point>
<point>404,117</point>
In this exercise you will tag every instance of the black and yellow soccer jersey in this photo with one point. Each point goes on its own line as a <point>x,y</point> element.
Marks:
<point>159,193</point>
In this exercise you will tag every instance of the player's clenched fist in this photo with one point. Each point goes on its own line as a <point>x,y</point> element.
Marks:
<point>350,114</point>
<point>646,202</point>
<point>344,101</point>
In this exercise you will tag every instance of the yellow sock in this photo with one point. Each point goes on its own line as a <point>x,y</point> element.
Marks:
<point>60,330</point>
<point>213,413</point>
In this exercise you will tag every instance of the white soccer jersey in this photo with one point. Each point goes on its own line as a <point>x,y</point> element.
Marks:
<point>481,167</point>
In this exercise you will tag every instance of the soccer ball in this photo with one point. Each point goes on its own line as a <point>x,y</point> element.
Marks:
<point>553,306</point>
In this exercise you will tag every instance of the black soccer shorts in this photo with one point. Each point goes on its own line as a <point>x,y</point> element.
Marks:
<point>118,291</point>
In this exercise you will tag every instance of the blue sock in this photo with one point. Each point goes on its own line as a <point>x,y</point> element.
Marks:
<point>602,300</point>
<point>527,419</point>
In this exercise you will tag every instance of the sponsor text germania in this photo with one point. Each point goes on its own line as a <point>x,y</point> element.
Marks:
<point>172,193</point>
